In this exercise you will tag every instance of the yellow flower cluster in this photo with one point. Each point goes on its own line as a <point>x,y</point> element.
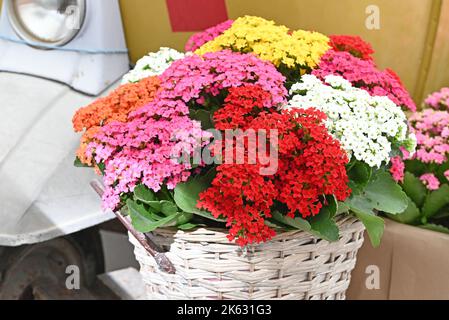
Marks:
<point>294,50</point>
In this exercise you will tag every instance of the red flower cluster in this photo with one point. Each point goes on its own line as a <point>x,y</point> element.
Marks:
<point>311,165</point>
<point>241,106</point>
<point>352,44</point>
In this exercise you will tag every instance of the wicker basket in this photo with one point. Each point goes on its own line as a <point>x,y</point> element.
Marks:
<point>294,265</point>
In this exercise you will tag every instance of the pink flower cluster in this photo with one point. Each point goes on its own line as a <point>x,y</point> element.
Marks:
<point>146,149</point>
<point>432,134</point>
<point>195,77</point>
<point>438,100</point>
<point>364,74</point>
<point>430,181</point>
<point>200,38</point>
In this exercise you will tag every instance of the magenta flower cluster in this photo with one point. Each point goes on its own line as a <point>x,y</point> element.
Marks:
<point>432,134</point>
<point>438,100</point>
<point>364,74</point>
<point>430,181</point>
<point>146,149</point>
<point>195,77</point>
<point>200,38</point>
<point>431,128</point>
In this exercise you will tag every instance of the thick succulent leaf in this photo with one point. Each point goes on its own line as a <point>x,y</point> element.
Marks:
<point>77,163</point>
<point>332,205</point>
<point>416,167</point>
<point>415,189</point>
<point>435,201</point>
<point>324,226</point>
<point>374,226</point>
<point>146,221</point>
<point>188,226</point>
<point>435,227</point>
<point>186,194</point>
<point>143,194</point>
<point>381,193</point>
<point>359,175</point>
<point>411,215</point>
<point>155,205</point>
<point>296,223</point>
<point>140,217</point>
<point>386,194</point>
<point>342,207</point>
<point>168,208</point>
<point>440,170</point>
<point>442,213</point>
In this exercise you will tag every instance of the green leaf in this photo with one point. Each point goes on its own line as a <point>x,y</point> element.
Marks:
<point>203,116</point>
<point>186,194</point>
<point>440,170</point>
<point>297,223</point>
<point>144,194</point>
<point>323,226</point>
<point>142,220</point>
<point>411,215</point>
<point>164,194</point>
<point>163,222</point>
<point>187,226</point>
<point>273,224</point>
<point>435,227</point>
<point>184,218</point>
<point>381,193</point>
<point>168,208</point>
<point>342,208</point>
<point>332,205</point>
<point>101,167</point>
<point>443,213</point>
<point>416,167</point>
<point>435,201</point>
<point>208,215</point>
<point>155,205</point>
<point>374,226</point>
<point>79,164</point>
<point>414,188</point>
<point>359,175</point>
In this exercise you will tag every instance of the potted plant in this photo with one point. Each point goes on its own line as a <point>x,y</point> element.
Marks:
<point>424,176</point>
<point>241,160</point>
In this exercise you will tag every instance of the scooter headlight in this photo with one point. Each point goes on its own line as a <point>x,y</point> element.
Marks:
<point>47,22</point>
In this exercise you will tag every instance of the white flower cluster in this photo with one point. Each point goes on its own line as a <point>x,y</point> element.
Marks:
<point>369,128</point>
<point>153,64</point>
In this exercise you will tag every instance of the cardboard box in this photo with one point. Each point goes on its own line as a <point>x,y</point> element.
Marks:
<point>411,263</point>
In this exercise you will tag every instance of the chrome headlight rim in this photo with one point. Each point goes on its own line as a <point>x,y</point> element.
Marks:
<point>34,41</point>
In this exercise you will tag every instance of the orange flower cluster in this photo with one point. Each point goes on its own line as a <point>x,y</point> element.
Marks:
<point>114,107</point>
<point>117,105</point>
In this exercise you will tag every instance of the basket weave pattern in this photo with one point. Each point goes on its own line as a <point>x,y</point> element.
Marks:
<point>293,265</point>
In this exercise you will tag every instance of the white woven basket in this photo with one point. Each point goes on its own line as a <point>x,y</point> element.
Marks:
<point>294,265</point>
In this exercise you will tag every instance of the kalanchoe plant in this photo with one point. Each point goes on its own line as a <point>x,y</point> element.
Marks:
<point>334,135</point>
<point>426,176</point>
<point>370,129</point>
<point>438,100</point>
